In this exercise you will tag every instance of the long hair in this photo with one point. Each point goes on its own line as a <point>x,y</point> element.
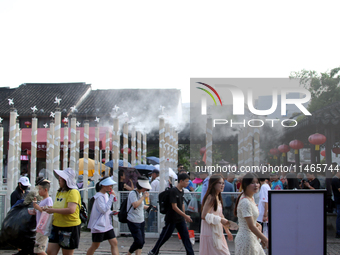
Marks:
<point>212,191</point>
<point>246,181</point>
<point>98,186</point>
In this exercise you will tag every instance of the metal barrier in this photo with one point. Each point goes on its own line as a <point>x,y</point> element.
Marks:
<point>192,203</point>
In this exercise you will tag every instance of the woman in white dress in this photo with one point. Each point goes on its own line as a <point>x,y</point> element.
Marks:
<point>246,240</point>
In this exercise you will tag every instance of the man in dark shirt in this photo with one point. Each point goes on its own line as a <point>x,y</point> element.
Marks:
<point>312,183</point>
<point>20,191</point>
<point>175,218</point>
<point>336,192</point>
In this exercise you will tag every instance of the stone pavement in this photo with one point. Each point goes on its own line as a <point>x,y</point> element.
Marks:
<point>172,247</point>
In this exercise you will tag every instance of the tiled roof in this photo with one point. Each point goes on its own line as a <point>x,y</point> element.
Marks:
<point>42,95</point>
<point>5,93</point>
<point>101,102</point>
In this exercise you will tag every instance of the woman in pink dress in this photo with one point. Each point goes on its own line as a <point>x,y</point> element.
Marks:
<point>212,240</point>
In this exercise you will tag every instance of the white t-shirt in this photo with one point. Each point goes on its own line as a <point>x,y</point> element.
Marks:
<point>263,199</point>
<point>135,215</point>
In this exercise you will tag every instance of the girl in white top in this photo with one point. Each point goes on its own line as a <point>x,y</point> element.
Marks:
<point>100,220</point>
<point>246,240</point>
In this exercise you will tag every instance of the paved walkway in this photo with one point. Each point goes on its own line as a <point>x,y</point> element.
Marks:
<point>172,247</point>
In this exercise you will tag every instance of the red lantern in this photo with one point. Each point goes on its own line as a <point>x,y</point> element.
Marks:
<point>122,151</point>
<point>336,150</point>
<point>27,123</point>
<point>65,121</point>
<point>284,148</point>
<point>28,152</point>
<point>274,151</point>
<point>317,139</point>
<point>202,151</point>
<point>323,153</point>
<point>296,145</point>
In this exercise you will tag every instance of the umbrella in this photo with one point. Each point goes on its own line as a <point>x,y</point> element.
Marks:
<point>153,160</point>
<point>110,163</point>
<point>171,172</point>
<point>90,167</point>
<point>145,167</point>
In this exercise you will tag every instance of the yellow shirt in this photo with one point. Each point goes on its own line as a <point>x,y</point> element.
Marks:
<point>62,200</point>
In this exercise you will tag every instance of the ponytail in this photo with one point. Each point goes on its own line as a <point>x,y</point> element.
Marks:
<point>237,200</point>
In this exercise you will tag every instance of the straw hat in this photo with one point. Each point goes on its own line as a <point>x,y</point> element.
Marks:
<point>68,175</point>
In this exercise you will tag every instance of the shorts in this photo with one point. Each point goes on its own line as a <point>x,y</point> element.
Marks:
<point>66,237</point>
<point>40,243</point>
<point>100,237</point>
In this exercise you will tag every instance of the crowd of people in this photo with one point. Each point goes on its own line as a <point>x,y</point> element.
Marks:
<point>216,213</point>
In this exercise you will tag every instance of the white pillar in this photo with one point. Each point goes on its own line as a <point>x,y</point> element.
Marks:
<point>86,158</point>
<point>54,185</point>
<point>116,144</point>
<point>73,143</point>
<point>125,144</point>
<point>19,154</point>
<point>144,147</point>
<point>11,157</point>
<point>34,150</point>
<point>96,155</point>
<point>65,149</point>
<point>176,150</point>
<point>115,153</point>
<point>167,152</point>
<point>56,151</point>
<point>107,152</point>
<point>133,147</point>
<point>77,152</point>
<point>16,169</point>
<point>161,153</point>
<point>139,148</point>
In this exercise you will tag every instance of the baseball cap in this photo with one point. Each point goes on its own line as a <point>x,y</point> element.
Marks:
<point>24,181</point>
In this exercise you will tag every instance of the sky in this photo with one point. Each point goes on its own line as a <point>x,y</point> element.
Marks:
<point>162,44</point>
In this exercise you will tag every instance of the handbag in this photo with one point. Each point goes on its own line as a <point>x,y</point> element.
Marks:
<point>83,213</point>
<point>44,226</point>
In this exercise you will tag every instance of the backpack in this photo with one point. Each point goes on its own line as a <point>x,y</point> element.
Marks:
<point>91,202</point>
<point>123,212</point>
<point>164,201</point>
<point>83,212</point>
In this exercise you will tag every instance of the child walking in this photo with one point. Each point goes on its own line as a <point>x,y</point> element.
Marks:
<point>100,222</point>
<point>40,239</point>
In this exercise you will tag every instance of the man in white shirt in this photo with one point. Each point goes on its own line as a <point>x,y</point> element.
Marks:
<point>263,201</point>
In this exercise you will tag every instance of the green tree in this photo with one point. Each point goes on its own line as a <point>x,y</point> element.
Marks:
<point>324,87</point>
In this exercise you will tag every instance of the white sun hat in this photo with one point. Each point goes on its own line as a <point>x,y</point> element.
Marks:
<point>107,182</point>
<point>24,181</point>
<point>68,175</point>
<point>144,184</point>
